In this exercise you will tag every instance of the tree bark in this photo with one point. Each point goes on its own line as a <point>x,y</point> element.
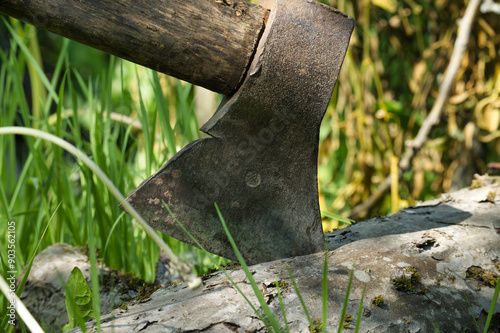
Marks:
<point>206,42</point>
<point>452,243</point>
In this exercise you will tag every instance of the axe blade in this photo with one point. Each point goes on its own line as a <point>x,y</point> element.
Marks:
<point>260,163</point>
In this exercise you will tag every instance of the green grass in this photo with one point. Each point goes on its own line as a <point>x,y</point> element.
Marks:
<point>40,182</point>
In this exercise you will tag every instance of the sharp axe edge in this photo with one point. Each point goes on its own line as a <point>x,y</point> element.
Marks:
<point>260,165</point>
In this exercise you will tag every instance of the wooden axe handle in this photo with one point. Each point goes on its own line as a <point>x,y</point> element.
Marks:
<point>206,42</point>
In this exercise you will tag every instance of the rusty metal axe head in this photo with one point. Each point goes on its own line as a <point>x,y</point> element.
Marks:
<point>260,163</point>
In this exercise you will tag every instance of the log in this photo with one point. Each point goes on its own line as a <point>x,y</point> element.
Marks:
<point>206,42</point>
<point>453,243</point>
<point>44,291</point>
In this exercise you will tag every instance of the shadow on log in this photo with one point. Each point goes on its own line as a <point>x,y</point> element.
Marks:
<point>418,265</point>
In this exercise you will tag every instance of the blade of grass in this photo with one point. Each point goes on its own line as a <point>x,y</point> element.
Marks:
<point>60,61</point>
<point>360,310</point>
<point>82,85</point>
<point>337,217</point>
<point>111,233</point>
<point>145,127</point>
<point>472,313</point>
<point>21,179</point>
<point>185,114</point>
<point>63,186</point>
<point>218,267</point>
<point>346,301</point>
<point>164,115</point>
<point>249,275</point>
<point>32,60</point>
<point>35,251</point>
<point>93,257</point>
<point>38,95</point>
<point>492,307</point>
<point>281,305</point>
<point>300,297</point>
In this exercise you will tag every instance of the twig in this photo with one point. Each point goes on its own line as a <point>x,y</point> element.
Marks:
<point>414,146</point>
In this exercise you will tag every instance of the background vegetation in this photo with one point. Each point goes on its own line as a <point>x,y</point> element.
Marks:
<point>131,120</point>
<point>388,84</point>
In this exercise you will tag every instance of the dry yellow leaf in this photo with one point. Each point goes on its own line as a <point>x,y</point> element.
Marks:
<point>388,5</point>
<point>416,79</point>
<point>469,131</point>
<point>461,97</point>
<point>491,119</point>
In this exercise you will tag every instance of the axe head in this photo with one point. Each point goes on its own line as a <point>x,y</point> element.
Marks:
<point>260,163</point>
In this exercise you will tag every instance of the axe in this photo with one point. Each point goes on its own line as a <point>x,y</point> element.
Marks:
<point>276,64</point>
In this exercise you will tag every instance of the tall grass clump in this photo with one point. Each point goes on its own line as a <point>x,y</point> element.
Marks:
<point>127,119</point>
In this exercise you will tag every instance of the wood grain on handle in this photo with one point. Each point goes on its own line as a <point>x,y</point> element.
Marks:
<point>206,42</point>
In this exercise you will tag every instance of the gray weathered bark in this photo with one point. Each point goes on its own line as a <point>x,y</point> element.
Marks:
<point>448,241</point>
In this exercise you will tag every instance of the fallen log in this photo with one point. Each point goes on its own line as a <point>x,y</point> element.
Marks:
<point>418,265</point>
